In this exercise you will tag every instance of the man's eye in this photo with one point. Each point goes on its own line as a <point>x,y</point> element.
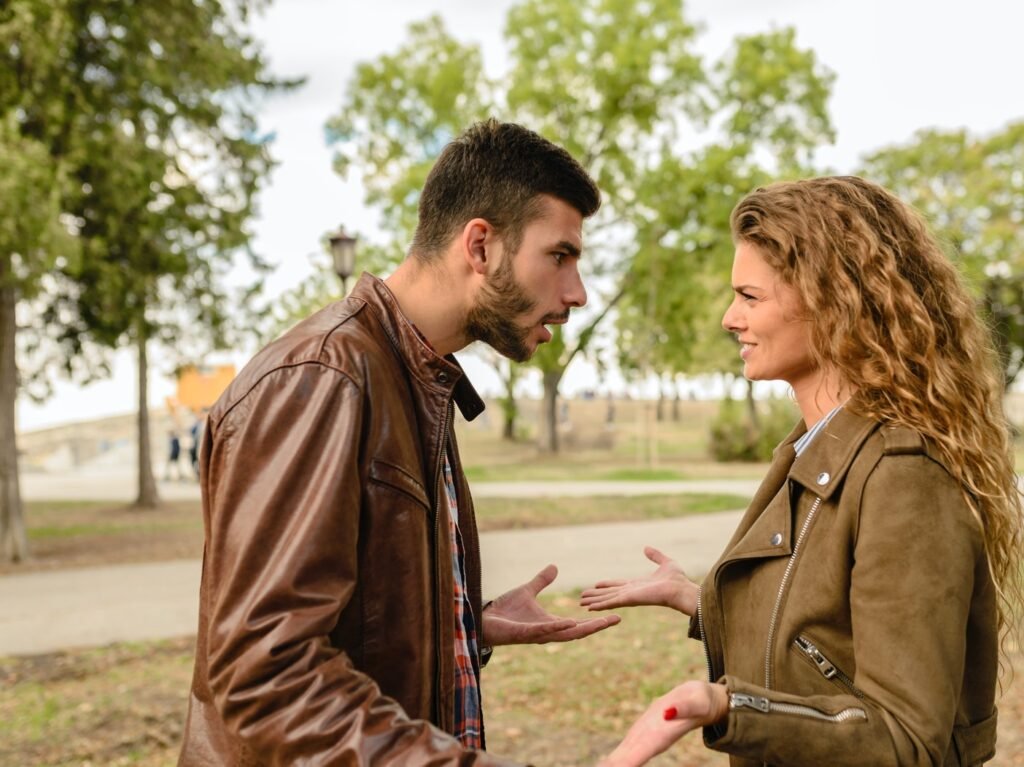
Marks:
<point>560,257</point>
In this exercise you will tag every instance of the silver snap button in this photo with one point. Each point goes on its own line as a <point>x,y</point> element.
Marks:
<point>824,477</point>
<point>777,539</point>
<point>442,377</point>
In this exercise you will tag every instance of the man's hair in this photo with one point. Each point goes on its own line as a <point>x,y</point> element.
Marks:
<point>497,171</point>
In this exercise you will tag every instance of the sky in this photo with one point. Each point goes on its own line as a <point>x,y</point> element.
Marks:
<point>900,65</point>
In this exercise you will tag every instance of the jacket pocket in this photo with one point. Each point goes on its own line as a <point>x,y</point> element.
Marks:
<point>810,652</point>
<point>400,480</point>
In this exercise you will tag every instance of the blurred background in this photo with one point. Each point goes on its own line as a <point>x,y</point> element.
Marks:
<point>182,181</point>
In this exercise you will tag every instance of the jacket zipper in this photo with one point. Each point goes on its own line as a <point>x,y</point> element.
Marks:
<point>828,669</point>
<point>439,512</point>
<point>766,706</point>
<point>782,590</point>
<point>703,638</point>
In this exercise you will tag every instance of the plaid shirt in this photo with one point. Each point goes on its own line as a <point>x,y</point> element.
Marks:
<point>468,719</point>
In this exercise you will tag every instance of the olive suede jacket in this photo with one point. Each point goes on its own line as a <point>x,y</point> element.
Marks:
<point>326,606</point>
<point>852,616</point>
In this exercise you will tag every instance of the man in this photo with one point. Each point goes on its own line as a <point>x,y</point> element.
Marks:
<point>340,608</point>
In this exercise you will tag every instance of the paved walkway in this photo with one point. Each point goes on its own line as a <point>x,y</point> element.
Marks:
<point>118,484</point>
<point>48,611</point>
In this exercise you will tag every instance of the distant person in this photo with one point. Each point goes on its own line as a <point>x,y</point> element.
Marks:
<point>173,456</point>
<point>341,619</point>
<point>854,618</point>
<point>196,434</point>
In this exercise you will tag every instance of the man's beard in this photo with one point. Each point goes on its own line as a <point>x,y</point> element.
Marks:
<point>493,319</point>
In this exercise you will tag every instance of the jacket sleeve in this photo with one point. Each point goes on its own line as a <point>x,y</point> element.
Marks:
<point>915,556</point>
<point>283,494</point>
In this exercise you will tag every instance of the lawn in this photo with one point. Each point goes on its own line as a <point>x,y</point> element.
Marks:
<point>553,705</point>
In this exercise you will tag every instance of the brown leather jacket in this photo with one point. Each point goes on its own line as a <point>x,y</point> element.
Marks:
<point>852,616</point>
<point>326,610</point>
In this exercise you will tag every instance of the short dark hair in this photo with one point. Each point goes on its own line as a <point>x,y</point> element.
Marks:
<point>497,171</point>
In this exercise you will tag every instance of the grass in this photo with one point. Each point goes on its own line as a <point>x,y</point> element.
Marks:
<point>67,534</point>
<point>125,704</point>
<point>510,513</point>
<point>556,704</point>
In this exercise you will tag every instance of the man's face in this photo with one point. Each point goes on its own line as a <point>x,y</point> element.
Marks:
<point>534,287</point>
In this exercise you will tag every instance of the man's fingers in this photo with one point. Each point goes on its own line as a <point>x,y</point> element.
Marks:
<point>542,580</point>
<point>585,628</point>
<point>534,632</point>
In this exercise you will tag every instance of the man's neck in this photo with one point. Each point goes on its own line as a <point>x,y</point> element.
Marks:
<point>429,299</point>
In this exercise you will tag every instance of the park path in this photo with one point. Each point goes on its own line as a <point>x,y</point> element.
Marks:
<point>117,483</point>
<point>48,611</point>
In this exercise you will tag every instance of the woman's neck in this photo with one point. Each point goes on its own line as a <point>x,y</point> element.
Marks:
<point>819,396</point>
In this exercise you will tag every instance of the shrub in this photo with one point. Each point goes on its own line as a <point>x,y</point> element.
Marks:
<point>735,438</point>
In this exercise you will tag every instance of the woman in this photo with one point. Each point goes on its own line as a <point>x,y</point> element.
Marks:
<point>854,618</point>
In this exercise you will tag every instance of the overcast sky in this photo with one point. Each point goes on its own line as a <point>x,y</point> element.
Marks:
<point>900,65</point>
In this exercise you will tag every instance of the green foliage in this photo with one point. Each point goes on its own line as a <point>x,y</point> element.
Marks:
<point>767,107</point>
<point>142,118</point>
<point>400,111</point>
<point>971,191</point>
<point>734,436</point>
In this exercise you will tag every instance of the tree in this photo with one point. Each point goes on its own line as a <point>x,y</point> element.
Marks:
<point>33,237</point>
<point>596,77</point>
<point>971,191</point>
<point>168,165</point>
<point>767,101</point>
<point>137,121</point>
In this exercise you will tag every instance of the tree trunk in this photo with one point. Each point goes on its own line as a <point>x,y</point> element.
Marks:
<point>676,405</point>
<point>13,538</point>
<point>755,420</point>
<point>509,407</point>
<point>148,497</point>
<point>549,411</point>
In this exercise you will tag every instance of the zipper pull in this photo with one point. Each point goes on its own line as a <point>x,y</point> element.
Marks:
<point>825,666</point>
<point>756,702</point>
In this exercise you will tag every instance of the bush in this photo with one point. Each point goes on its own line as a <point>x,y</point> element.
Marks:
<point>734,437</point>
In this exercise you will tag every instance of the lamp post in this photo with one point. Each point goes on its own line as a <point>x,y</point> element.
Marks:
<point>343,251</point>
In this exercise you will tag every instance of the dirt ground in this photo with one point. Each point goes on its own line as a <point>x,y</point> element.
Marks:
<point>83,534</point>
<point>557,705</point>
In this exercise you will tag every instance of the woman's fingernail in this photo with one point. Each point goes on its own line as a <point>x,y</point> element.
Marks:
<point>670,713</point>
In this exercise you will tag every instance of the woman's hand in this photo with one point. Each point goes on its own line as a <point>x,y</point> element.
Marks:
<point>667,586</point>
<point>684,708</point>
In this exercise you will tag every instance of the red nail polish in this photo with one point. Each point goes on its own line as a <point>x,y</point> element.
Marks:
<point>670,713</point>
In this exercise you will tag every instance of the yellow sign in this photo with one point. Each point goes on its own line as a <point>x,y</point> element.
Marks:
<point>199,387</point>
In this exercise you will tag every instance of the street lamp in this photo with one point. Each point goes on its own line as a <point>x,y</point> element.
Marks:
<point>343,251</point>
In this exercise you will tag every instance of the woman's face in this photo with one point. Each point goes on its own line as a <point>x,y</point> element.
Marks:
<point>766,316</point>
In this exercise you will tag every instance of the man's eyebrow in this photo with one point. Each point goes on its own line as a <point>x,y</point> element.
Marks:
<point>567,246</point>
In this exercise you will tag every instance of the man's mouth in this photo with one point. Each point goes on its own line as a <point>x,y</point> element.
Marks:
<point>556,319</point>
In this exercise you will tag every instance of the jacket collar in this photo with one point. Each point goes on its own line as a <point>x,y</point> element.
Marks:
<point>430,369</point>
<point>823,465</point>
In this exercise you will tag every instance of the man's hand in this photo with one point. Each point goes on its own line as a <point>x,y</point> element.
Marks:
<point>667,586</point>
<point>516,617</point>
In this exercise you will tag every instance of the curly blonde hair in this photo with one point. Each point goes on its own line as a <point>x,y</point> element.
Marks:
<point>892,316</point>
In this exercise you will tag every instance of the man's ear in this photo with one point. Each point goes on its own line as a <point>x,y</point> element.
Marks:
<point>478,243</point>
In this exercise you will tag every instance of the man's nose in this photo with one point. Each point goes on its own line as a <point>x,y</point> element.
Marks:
<point>575,292</point>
